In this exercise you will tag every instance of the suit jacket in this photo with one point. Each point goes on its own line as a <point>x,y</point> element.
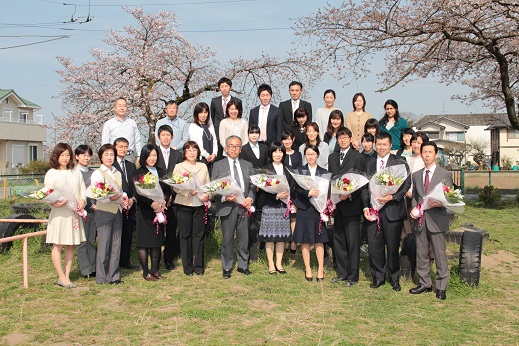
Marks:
<point>174,157</point>
<point>128,186</point>
<point>274,122</point>
<point>395,209</point>
<point>248,155</point>
<point>288,115</point>
<point>216,112</point>
<point>301,200</point>
<point>352,161</point>
<point>300,137</point>
<point>144,203</point>
<point>222,169</point>
<point>435,219</point>
<point>269,199</point>
<point>296,158</point>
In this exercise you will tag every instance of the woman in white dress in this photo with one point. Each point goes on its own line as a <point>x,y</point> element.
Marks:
<point>323,114</point>
<point>64,229</point>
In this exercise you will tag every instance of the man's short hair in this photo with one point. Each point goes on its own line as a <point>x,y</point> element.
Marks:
<point>295,83</point>
<point>383,135</point>
<point>225,80</point>
<point>120,98</point>
<point>121,139</point>
<point>171,102</point>
<point>232,137</point>
<point>341,131</point>
<point>165,127</point>
<point>264,87</point>
<point>429,143</point>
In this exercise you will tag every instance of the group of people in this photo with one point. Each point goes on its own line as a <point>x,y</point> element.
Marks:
<point>218,143</point>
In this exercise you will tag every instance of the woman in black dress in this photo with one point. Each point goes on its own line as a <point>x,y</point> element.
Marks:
<point>299,126</point>
<point>275,228</point>
<point>149,239</point>
<point>306,231</point>
<point>293,157</point>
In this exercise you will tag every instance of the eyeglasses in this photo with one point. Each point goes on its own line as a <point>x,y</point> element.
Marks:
<point>234,147</point>
<point>388,109</point>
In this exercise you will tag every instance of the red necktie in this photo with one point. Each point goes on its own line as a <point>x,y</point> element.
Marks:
<point>426,183</point>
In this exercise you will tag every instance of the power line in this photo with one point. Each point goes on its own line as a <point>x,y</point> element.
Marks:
<point>33,43</point>
<point>155,4</point>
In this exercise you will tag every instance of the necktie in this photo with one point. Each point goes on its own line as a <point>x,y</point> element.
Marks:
<point>123,167</point>
<point>294,107</point>
<point>426,183</point>
<point>342,155</point>
<point>166,157</point>
<point>381,164</point>
<point>224,106</point>
<point>263,125</point>
<point>236,174</point>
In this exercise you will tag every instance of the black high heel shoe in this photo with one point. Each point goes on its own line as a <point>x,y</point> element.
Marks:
<point>309,279</point>
<point>319,279</point>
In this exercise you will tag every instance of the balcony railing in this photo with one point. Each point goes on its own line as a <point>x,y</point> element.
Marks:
<point>20,121</point>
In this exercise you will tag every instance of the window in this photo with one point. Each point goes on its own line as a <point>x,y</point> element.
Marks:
<point>513,134</point>
<point>33,152</point>
<point>24,116</point>
<point>433,135</point>
<point>456,136</point>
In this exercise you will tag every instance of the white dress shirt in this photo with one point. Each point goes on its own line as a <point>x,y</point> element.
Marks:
<point>126,128</point>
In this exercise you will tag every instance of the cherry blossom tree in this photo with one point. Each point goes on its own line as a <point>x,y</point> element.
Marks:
<point>475,42</point>
<point>150,63</point>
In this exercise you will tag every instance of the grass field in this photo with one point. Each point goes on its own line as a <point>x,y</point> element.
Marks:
<point>265,309</point>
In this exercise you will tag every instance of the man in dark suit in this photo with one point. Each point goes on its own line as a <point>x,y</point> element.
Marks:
<point>127,169</point>
<point>391,217</point>
<point>267,117</point>
<point>434,224</point>
<point>288,107</point>
<point>346,229</point>
<point>218,106</point>
<point>167,159</point>
<point>232,215</point>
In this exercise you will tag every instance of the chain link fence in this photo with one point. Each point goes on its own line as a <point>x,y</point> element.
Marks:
<point>472,182</point>
<point>20,184</point>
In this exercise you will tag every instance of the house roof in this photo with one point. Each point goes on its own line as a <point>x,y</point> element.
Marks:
<point>483,119</point>
<point>5,93</point>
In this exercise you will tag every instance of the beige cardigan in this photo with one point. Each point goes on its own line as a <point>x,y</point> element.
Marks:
<point>200,169</point>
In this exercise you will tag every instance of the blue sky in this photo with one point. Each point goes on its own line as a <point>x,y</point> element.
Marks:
<point>30,70</point>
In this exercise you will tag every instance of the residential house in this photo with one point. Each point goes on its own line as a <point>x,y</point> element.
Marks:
<point>457,130</point>
<point>21,131</point>
<point>504,141</point>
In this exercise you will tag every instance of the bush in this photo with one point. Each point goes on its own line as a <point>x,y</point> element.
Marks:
<point>506,163</point>
<point>35,167</point>
<point>489,195</point>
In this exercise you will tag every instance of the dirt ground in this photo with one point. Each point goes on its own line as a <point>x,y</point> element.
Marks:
<point>503,262</point>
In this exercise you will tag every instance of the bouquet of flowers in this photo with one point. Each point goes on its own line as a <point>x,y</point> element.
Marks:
<point>226,186</point>
<point>346,185</point>
<point>387,181</point>
<point>102,190</point>
<point>320,183</point>
<point>47,195</point>
<point>272,183</point>
<point>449,198</point>
<point>148,186</point>
<point>66,192</point>
<point>185,181</point>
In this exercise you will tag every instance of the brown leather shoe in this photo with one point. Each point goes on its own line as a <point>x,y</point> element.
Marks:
<point>157,276</point>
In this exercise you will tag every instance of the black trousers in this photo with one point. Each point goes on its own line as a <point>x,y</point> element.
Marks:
<point>172,239</point>
<point>127,236</point>
<point>388,237</point>
<point>346,247</point>
<point>192,231</point>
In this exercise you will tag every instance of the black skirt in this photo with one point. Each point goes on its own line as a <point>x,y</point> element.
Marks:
<point>307,227</point>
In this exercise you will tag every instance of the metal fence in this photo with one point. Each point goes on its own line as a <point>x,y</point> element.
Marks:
<point>20,184</point>
<point>507,182</point>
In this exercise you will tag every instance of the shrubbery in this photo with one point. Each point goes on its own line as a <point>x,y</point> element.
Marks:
<point>489,195</point>
<point>35,167</point>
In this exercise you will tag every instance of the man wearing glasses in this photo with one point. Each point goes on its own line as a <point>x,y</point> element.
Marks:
<point>232,215</point>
